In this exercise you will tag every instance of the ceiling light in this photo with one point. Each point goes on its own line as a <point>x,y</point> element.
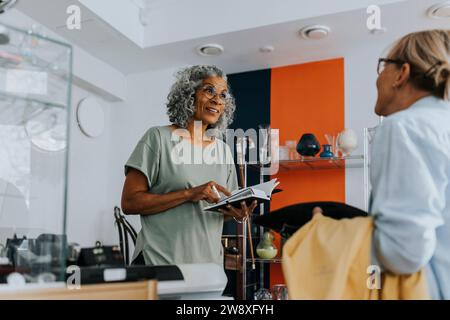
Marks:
<point>144,11</point>
<point>315,32</point>
<point>211,49</point>
<point>266,49</point>
<point>440,11</point>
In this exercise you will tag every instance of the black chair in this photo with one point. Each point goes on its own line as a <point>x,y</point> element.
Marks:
<point>126,231</point>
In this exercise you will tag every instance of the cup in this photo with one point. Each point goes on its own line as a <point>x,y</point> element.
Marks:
<point>280,292</point>
<point>284,153</point>
<point>331,140</point>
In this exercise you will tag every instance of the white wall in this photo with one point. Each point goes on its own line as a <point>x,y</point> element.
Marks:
<point>360,97</point>
<point>144,108</point>
<point>90,205</point>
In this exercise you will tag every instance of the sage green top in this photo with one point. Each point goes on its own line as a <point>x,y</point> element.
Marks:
<point>186,233</point>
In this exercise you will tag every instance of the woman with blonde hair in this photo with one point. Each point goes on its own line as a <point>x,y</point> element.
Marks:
<point>410,173</point>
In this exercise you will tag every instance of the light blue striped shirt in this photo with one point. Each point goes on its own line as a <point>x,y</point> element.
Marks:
<point>410,200</point>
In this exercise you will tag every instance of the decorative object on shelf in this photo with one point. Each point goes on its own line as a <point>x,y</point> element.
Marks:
<point>233,260</point>
<point>264,143</point>
<point>326,153</point>
<point>90,117</point>
<point>263,294</point>
<point>292,144</point>
<point>73,253</point>
<point>284,153</point>
<point>279,292</point>
<point>347,141</point>
<point>46,127</point>
<point>274,145</point>
<point>266,249</point>
<point>308,146</point>
<point>331,140</point>
<point>232,250</point>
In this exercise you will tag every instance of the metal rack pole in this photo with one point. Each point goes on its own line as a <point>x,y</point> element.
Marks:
<point>261,231</point>
<point>244,244</point>
<point>366,169</point>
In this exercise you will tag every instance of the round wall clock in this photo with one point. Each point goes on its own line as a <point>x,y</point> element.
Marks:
<point>90,117</point>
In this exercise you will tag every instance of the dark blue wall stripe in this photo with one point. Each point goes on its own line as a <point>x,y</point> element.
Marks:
<point>252,93</point>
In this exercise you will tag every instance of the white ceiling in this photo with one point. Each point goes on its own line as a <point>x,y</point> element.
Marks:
<point>178,27</point>
<point>172,21</point>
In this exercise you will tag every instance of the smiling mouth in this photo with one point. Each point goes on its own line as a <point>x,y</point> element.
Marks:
<point>212,110</point>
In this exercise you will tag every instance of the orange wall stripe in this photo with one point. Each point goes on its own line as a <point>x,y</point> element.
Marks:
<point>307,98</point>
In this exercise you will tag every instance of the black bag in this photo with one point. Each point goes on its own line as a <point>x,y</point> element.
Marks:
<point>101,256</point>
<point>287,220</point>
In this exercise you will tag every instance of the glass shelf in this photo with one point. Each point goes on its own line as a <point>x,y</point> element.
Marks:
<point>10,97</point>
<point>317,163</point>
<point>260,260</point>
<point>34,68</point>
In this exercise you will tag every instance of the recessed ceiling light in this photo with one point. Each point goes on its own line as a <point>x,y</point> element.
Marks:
<point>211,49</point>
<point>440,11</point>
<point>314,32</point>
<point>266,49</point>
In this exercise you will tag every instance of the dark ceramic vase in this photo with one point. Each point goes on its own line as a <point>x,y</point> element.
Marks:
<point>308,146</point>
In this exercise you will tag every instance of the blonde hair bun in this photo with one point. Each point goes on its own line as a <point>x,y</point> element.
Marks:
<point>428,54</point>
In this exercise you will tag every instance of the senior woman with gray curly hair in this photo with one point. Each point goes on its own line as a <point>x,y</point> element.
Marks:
<point>169,188</point>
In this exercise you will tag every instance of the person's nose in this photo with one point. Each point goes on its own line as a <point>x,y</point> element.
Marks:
<point>216,99</point>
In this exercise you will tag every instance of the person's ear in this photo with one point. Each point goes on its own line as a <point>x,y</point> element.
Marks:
<point>403,76</point>
<point>195,99</point>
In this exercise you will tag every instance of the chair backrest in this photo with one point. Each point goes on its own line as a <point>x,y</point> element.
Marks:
<point>126,232</point>
<point>141,290</point>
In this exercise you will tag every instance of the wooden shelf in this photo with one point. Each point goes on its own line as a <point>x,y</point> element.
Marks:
<point>260,260</point>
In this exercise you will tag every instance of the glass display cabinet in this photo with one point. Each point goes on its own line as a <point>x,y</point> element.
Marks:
<point>35,95</point>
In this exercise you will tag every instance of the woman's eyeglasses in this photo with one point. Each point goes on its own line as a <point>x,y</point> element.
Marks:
<point>383,61</point>
<point>210,92</point>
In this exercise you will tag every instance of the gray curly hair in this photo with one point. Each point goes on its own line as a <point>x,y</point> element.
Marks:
<point>180,104</point>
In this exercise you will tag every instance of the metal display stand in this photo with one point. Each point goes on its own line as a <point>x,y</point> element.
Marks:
<point>304,163</point>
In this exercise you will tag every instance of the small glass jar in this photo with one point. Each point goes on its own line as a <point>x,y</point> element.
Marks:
<point>292,144</point>
<point>284,153</point>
